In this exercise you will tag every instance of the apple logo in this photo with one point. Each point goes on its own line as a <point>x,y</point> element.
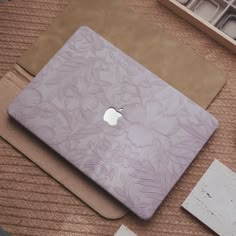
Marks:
<point>111,116</point>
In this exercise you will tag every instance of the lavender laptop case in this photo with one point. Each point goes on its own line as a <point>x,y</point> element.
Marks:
<point>158,135</point>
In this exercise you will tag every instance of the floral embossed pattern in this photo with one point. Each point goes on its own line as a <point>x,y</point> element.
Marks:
<point>139,160</point>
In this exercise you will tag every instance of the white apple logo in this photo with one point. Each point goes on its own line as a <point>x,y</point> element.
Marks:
<point>112,116</point>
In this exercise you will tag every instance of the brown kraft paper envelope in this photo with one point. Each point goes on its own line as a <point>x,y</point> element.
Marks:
<point>176,64</point>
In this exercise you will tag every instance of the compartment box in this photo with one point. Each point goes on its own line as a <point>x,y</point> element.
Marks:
<point>217,18</point>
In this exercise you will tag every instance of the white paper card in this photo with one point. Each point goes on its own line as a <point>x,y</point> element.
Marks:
<point>124,231</point>
<point>213,200</point>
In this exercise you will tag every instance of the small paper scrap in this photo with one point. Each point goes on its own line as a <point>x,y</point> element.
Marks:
<point>213,199</point>
<point>124,231</point>
<point>3,232</point>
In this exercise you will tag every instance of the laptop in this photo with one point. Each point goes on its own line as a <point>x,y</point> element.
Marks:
<point>114,120</point>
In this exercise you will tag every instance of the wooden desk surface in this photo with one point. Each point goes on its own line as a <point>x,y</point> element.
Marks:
<point>32,203</point>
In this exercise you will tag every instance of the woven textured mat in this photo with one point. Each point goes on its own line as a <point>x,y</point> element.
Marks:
<point>32,203</point>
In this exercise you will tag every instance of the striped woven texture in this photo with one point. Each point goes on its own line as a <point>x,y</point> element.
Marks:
<point>33,203</point>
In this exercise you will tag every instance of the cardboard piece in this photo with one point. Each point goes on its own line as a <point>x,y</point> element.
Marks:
<point>124,231</point>
<point>213,199</point>
<point>150,46</point>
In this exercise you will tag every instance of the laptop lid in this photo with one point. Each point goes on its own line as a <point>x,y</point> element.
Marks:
<point>114,120</point>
